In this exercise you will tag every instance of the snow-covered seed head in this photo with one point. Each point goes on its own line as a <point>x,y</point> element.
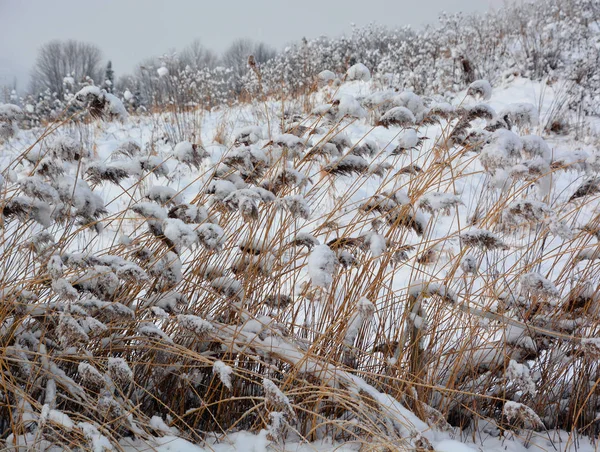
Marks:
<point>119,371</point>
<point>468,264</point>
<point>481,238</point>
<point>481,89</point>
<point>321,266</point>
<point>90,376</point>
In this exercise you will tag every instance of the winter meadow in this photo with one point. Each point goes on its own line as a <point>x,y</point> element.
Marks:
<point>383,241</point>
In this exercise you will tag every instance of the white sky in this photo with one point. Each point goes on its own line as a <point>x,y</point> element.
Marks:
<point>128,31</point>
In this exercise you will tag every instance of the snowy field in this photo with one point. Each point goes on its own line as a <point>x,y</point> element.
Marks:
<point>379,271</point>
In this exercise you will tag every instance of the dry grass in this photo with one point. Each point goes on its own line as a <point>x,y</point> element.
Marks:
<point>438,340</point>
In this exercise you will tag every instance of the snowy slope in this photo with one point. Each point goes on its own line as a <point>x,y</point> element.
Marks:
<point>396,253</point>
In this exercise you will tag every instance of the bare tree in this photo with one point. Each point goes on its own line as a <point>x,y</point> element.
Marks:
<point>57,59</point>
<point>236,56</point>
<point>197,56</point>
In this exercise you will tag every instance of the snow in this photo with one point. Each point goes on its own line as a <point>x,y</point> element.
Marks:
<point>326,76</point>
<point>481,88</point>
<point>60,418</point>
<point>229,287</point>
<point>350,107</point>
<point>195,324</point>
<point>321,265</point>
<point>179,233</point>
<point>150,210</point>
<point>503,150</point>
<point>397,116</point>
<point>191,208</point>
<point>119,370</point>
<point>412,102</point>
<point>434,202</point>
<point>358,72</point>
<point>234,442</point>
<point>89,90</point>
<point>450,445</point>
<point>210,235</point>
<point>408,139</point>
<point>521,114</point>
<point>162,71</point>
<point>224,372</point>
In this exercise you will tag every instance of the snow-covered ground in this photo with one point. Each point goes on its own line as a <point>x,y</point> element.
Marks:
<point>447,189</point>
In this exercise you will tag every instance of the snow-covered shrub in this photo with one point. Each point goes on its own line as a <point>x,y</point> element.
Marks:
<point>358,72</point>
<point>9,116</point>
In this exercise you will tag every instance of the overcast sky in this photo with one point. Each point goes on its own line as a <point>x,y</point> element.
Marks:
<point>128,31</point>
